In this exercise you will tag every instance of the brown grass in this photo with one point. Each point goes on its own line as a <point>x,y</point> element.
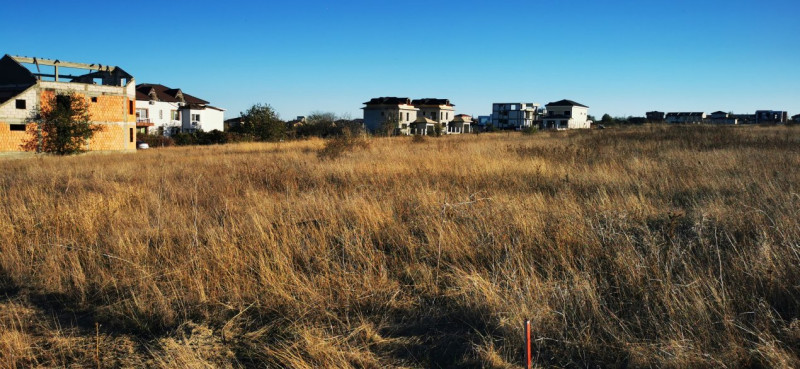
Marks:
<point>643,247</point>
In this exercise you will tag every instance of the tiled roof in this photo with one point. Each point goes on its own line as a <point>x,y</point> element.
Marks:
<point>431,101</point>
<point>389,101</point>
<point>566,102</point>
<point>164,93</point>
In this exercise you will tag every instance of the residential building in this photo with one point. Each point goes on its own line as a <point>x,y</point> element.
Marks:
<point>167,111</point>
<point>685,117</point>
<point>396,113</point>
<point>655,116</point>
<point>515,115</point>
<point>566,114</point>
<point>771,116</point>
<point>721,117</point>
<point>109,92</point>
<point>744,118</point>
<point>796,118</point>
<point>440,111</point>
<point>462,123</point>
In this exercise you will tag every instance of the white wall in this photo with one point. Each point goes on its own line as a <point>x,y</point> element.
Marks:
<point>210,119</point>
<point>160,114</point>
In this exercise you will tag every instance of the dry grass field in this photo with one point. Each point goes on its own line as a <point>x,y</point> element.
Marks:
<point>634,247</point>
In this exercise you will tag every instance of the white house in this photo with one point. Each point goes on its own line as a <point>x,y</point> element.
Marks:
<point>396,111</point>
<point>514,115</point>
<point>566,114</point>
<point>164,110</point>
<point>438,110</point>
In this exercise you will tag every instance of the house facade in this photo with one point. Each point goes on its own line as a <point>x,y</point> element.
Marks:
<point>721,117</point>
<point>396,113</point>
<point>566,114</point>
<point>515,115</point>
<point>462,123</point>
<point>109,92</point>
<point>440,111</point>
<point>771,116</point>
<point>167,111</point>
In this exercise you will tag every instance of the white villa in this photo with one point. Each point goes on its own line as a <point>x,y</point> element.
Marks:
<point>397,111</point>
<point>167,111</point>
<point>438,110</point>
<point>566,114</point>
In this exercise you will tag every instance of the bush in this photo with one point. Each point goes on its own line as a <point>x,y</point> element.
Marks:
<point>337,146</point>
<point>418,139</point>
<point>155,140</point>
<point>530,130</point>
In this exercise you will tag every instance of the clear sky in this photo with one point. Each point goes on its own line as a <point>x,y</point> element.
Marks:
<point>617,57</point>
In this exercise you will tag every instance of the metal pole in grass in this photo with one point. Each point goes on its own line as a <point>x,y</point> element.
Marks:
<point>527,344</point>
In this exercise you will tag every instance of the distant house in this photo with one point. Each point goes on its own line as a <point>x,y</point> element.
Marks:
<point>167,111</point>
<point>566,114</point>
<point>685,117</point>
<point>438,110</point>
<point>515,115</point>
<point>721,117</point>
<point>484,120</point>
<point>462,123</point>
<point>655,116</point>
<point>771,116</point>
<point>396,112</point>
<point>796,118</point>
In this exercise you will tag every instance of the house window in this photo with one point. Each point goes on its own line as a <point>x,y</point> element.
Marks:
<point>195,117</point>
<point>383,113</point>
<point>160,114</point>
<point>130,132</point>
<point>141,114</point>
<point>130,107</point>
<point>175,115</point>
<point>94,99</point>
<point>21,104</point>
<point>18,127</point>
<point>407,116</point>
<point>566,113</point>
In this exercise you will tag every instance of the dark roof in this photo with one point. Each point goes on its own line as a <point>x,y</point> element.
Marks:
<point>565,102</point>
<point>719,112</point>
<point>389,101</point>
<point>164,93</point>
<point>431,101</point>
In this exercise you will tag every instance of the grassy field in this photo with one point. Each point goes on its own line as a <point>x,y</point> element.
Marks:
<point>640,247</point>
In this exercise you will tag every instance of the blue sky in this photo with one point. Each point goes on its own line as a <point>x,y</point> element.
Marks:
<point>617,57</point>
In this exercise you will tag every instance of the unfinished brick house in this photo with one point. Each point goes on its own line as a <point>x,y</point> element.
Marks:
<point>110,93</point>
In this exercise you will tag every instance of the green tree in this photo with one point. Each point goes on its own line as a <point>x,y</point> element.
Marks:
<point>62,126</point>
<point>606,119</point>
<point>263,123</point>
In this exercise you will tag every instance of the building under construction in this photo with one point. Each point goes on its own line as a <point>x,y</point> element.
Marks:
<point>110,93</point>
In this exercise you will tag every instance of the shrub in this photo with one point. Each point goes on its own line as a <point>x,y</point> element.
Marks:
<point>155,140</point>
<point>337,146</point>
<point>530,130</point>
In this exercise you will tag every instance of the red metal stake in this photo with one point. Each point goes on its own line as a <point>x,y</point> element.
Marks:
<point>527,344</point>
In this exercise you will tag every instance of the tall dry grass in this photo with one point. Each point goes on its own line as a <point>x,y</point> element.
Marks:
<point>642,247</point>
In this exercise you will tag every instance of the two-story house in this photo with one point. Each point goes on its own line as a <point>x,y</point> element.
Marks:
<point>395,114</point>
<point>440,111</point>
<point>167,111</point>
<point>566,114</point>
